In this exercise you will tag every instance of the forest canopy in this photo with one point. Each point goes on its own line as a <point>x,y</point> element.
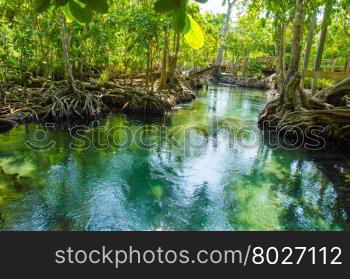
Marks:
<point>106,41</point>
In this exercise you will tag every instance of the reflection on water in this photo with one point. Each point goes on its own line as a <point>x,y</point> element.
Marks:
<point>218,185</point>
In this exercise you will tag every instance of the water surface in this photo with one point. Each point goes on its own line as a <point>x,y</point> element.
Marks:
<point>184,172</point>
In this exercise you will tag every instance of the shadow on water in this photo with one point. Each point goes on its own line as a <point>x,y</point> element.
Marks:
<point>213,183</point>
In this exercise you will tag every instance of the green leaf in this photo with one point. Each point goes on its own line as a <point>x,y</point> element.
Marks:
<point>179,22</point>
<point>67,12</point>
<point>202,1</point>
<point>81,14</point>
<point>194,37</point>
<point>180,17</point>
<point>41,6</point>
<point>165,6</point>
<point>187,25</point>
<point>100,6</point>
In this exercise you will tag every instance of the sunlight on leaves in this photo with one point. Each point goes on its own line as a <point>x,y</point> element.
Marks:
<point>194,37</point>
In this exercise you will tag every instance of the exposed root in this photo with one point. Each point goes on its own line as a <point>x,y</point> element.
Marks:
<point>295,111</point>
<point>56,100</point>
<point>74,105</point>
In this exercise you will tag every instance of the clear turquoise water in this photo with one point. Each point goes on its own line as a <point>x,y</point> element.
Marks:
<point>213,184</point>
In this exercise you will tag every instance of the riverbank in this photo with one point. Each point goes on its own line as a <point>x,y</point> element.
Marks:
<point>41,100</point>
<point>267,83</point>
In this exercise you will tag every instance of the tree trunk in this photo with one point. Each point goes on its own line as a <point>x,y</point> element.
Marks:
<point>310,37</point>
<point>321,44</point>
<point>280,54</point>
<point>294,111</point>
<point>172,63</point>
<point>151,67</point>
<point>225,31</point>
<point>342,87</point>
<point>347,64</point>
<point>297,39</point>
<point>148,64</point>
<point>65,48</point>
<point>163,75</point>
<point>291,97</point>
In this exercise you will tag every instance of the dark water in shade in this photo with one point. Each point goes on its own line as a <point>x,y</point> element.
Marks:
<point>215,184</point>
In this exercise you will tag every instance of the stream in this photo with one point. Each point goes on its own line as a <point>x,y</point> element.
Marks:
<point>195,170</point>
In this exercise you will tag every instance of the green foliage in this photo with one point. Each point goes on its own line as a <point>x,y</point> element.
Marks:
<point>179,16</point>
<point>79,10</point>
<point>60,3</point>
<point>81,14</point>
<point>41,5</point>
<point>182,21</point>
<point>67,12</point>
<point>100,6</point>
<point>194,36</point>
<point>177,9</point>
<point>130,35</point>
<point>165,6</point>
